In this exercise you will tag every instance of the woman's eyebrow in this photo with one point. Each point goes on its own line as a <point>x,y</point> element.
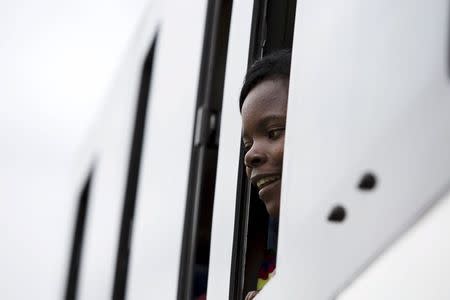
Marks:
<point>272,118</point>
<point>266,121</point>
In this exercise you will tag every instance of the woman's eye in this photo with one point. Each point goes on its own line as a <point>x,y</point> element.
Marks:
<point>247,147</point>
<point>275,133</point>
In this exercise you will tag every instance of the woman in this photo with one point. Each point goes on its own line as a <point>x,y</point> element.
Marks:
<point>263,104</point>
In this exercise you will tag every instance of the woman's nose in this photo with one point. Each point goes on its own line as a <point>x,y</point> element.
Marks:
<point>254,157</point>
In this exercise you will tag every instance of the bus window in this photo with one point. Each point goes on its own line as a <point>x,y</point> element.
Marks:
<point>123,252</point>
<point>267,79</point>
<point>77,246</point>
<point>194,264</point>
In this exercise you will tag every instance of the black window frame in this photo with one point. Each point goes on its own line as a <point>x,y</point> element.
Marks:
<point>205,144</point>
<point>78,238</point>
<point>129,203</point>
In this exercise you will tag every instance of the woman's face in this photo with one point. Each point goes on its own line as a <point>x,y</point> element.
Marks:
<point>263,122</point>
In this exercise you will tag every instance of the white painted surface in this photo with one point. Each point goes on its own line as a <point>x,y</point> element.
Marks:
<point>57,61</point>
<point>162,192</point>
<point>369,92</point>
<point>416,267</point>
<point>111,139</point>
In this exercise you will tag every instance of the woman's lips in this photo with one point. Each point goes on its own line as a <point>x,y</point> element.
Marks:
<point>266,188</point>
<point>262,182</point>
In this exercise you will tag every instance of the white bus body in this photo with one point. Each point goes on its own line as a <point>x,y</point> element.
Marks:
<point>369,93</point>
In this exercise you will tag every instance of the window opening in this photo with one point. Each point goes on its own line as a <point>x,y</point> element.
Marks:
<point>255,232</point>
<point>78,237</point>
<point>121,271</point>
<point>195,250</point>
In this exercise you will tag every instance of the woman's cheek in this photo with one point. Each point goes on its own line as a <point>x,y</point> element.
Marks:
<point>281,150</point>
<point>248,172</point>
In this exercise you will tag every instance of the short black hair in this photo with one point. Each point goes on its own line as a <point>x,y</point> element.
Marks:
<point>276,65</point>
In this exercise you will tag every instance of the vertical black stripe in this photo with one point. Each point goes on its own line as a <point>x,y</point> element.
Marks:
<point>72,280</point>
<point>241,219</point>
<point>120,279</point>
<point>258,35</point>
<point>204,148</point>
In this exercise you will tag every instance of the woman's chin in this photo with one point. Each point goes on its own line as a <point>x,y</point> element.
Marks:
<point>273,207</point>
<point>271,197</point>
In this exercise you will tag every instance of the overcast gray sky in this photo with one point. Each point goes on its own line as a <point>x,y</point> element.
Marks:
<point>56,61</point>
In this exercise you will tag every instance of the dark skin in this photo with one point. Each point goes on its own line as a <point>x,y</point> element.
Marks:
<point>263,122</point>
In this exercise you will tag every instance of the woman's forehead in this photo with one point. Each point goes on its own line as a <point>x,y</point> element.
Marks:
<point>268,97</point>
